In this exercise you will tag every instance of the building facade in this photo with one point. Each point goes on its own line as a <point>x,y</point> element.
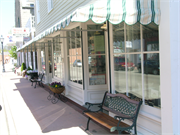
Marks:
<point>129,47</point>
<point>24,19</point>
<point>23,10</point>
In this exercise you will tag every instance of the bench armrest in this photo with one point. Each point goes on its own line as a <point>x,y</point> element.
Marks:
<point>91,104</point>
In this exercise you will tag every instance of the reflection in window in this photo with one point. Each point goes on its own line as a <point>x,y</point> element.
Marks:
<point>120,76</point>
<point>151,79</point>
<point>133,41</point>
<point>96,42</point>
<point>118,38</point>
<point>50,57</point>
<point>74,56</point>
<point>43,64</point>
<point>128,63</point>
<point>96,56</point>
<point>43,58</point>
<point>150,37</point>
<point>133,77</point>
<point>58,63</point>
<point>97,70</point>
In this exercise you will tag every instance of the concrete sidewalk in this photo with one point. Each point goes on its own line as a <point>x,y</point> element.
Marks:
<point>31,112</point>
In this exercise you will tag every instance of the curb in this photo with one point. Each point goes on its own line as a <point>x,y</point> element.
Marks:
<point>8,126</point>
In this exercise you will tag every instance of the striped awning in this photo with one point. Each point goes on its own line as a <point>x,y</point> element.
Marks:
<point>115,11</point>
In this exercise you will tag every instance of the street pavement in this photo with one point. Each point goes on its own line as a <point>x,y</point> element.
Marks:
<point>26,111</point>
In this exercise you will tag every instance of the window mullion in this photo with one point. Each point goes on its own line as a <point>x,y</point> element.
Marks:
<point>125,58</point>
<point>76,69</point>
<point>142,64</point>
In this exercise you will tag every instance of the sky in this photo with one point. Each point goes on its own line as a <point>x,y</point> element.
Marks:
<point>7,16</point>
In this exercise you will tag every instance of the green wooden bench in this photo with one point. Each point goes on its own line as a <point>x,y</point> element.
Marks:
<point>123,108</point>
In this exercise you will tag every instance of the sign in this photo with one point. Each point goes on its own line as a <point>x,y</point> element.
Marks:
<point>99,43</point>
<point>19,39</point>
<point>20,31</point>
<point>26,39</point>
<point>10,38</point>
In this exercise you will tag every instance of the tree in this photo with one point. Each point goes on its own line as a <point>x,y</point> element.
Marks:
<point>12,52</point>
<point>23,67</point>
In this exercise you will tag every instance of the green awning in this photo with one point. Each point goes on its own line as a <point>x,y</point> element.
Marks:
<point>115,11</point>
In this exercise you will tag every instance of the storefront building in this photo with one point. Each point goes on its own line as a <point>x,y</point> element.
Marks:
<point>128,47</point>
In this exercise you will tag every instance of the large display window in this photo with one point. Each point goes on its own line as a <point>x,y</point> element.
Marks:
<point>74,55</point>
<point>58,62</point>
<point>136,62</point>
<point>43,58</point>
<point>96,55</point>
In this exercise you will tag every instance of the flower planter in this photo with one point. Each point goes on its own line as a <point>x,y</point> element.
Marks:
<point>57,90</point>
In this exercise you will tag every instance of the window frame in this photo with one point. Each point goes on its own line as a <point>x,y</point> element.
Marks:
<point>49,5</point>
<point>71,83</point>
<point>53,49</point>
<point>146,110</point>
<point>38,11</point>
<point>103,86</point>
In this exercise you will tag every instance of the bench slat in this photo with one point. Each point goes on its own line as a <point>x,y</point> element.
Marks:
<point>104,119</point>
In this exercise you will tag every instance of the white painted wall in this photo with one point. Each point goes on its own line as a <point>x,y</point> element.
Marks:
<point>169,63</point>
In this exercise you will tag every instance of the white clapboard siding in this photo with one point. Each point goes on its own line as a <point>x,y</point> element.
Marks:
<point>61,9</point>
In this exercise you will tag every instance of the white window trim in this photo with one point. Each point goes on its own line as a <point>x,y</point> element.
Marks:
<point>53,50</point>
<point>70,83</point>
<point>37,12</point>
<point>49,5</point>
<point>102,86</point>
<point>147,111</point>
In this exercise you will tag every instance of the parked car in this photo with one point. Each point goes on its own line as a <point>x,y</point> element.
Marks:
<point>77,63</point>
<point>119,64</point>
<point>150,67</point>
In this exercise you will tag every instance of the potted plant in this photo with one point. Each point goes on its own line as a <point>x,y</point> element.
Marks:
<point>28,73</point>
<point>56,87</point>
<point>23,67</point>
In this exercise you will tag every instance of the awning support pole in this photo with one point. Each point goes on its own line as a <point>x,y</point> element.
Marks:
<point>110,85</point>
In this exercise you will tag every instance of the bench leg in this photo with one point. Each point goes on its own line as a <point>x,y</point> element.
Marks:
<point>119,132</point>
<point>88,124</point>
<point>42,84</point>
<point>135,131</point>
<point>35,85</point>
<point>32,84</point>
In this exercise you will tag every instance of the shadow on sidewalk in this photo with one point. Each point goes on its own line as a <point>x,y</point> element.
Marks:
<point>55,117</point>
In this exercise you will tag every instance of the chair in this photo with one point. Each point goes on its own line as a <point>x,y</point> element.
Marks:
<point>39,80</point>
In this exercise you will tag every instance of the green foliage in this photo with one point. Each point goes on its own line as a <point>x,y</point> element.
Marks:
<point>23,67</point>
<point>29,68</point>
<point>15,64</point>
<point>12,52</point>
